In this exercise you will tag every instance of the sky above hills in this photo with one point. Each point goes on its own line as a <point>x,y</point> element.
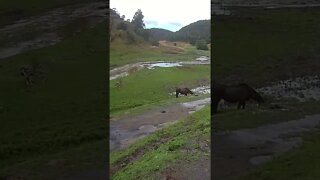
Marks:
<point>167,14</point>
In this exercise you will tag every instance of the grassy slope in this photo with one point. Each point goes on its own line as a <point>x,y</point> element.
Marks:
<point>66,112</point>
<point>261,46</point>
<point>164,147</point>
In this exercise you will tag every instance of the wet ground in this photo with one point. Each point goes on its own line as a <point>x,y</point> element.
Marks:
<point>238,151</point>
<point>125,131</point>
<point>301,88</point>
<point>130,68</point>
<point>195,170</point>
<point>43,30</point>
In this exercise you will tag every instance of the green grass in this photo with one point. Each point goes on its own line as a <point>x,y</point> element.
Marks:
<point>122,53</point>
<point>152,87</point>
<point>262,46</point>
<point>298,164</point>
<point>251,117</point>
<point>164,147</point>
<point>66,111</point>
<point>70,162</point>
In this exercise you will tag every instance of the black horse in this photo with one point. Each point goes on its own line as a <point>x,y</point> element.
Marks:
<point>184,91</point>
<point>237,93</point>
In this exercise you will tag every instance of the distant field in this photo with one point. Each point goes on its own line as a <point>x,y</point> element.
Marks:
<point>121,53</point>
<point>259,47</point>
<point>66,112</point>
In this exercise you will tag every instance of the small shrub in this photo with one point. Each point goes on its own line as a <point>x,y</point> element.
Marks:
<point>201,45</point>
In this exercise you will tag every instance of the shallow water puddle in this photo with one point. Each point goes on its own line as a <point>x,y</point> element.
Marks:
<point>162,64</point>
<point>129,68</point>
<point>301,88</point>
<point>125,131</point>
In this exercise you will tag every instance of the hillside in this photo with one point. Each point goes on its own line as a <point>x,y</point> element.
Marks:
<point>199,30</point>
<point>158,34</point>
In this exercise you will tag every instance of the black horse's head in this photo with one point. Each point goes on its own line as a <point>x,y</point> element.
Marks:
<point>257,97</point>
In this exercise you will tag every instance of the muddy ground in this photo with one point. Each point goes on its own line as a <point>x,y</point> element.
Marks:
<point>125,131</point>
<point>239,151</point>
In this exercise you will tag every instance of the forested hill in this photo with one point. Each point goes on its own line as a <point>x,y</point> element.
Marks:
<point>199,30</point>
<point>158,34</point>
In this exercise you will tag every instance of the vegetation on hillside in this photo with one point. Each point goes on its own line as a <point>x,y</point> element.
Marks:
<point>197,31</point>
<point>134,32</point>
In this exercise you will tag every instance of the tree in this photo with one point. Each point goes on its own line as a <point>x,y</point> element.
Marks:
<point>202,45</point>
<point>137,20</point>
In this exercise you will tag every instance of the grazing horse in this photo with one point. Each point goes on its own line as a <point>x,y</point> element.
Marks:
<point>184,91</point>
<point>237,93</point>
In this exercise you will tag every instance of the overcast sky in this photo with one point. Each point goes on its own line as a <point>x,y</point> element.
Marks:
<point>166,14</point>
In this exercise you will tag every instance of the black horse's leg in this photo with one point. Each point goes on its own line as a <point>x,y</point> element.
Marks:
<point>239,105</point>
<point>177,94</point>
<point>243,105</point>
<point>215,103</point>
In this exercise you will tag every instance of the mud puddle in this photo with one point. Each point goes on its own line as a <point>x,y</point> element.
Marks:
<point>301,88</point>
<point>238,151</point>
<point>22,36</point>
<point>130,68</point>
<point>125,131</point>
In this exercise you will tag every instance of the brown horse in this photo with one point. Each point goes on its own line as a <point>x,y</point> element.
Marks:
<point>184,91</point>
<point>238,93</point>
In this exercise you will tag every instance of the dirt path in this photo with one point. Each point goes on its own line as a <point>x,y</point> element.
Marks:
<point>125,131</point>
<point>238,151</point>
<point>41,31</point>
<point>195,170</point>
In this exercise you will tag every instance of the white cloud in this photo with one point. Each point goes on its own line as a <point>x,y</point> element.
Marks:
<point>165,12</point>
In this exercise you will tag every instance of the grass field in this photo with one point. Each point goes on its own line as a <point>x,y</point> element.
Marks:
<point>152,87</point>
<point>65,112</point>
<point>151,155</point>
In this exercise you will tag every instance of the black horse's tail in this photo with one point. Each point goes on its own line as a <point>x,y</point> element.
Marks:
<point>254,94</point>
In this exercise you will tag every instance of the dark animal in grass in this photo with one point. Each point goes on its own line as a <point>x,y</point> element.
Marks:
<point>28,73</point>
<point>234,94</point>
<point>184,91</point>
